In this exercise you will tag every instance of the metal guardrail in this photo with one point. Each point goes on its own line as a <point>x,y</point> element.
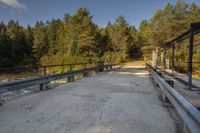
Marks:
<point>189,114</point>
<point>20,84</point>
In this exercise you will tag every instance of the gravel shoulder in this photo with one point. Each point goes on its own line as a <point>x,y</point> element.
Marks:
<point>120,101</point>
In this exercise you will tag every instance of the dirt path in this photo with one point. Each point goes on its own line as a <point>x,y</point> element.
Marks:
<point>120,101</point>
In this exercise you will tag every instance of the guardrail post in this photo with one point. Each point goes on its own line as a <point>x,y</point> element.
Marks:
<point>85,74</point>
<point>1,100</point>
<point>44,86</point>
<point>160,74</point>
<point>164,97</point>
<point>171,83</point>
<point>71,79</point>
<point>101,66</point>
<point>111,66</point>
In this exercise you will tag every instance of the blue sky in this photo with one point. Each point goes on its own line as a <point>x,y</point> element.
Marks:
<point>30,11</point>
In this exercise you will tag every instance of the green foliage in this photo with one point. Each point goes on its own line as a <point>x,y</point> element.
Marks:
<point>167,24</point>
<point>77,38</point>
<point>15,45</point>
<point>74,39</point>
<point>123,38</point>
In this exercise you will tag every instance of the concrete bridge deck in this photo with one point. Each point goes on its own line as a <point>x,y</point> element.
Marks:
<point>120,101</point>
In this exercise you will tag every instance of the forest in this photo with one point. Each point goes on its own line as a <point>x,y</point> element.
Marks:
<point>76,38</point>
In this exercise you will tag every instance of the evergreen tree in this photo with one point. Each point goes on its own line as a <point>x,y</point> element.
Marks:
<point>40,42</point>
<point>77,39</point>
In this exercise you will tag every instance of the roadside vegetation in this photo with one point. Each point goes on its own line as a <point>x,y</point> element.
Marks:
<point>76,38</point>
<point>165,25</point>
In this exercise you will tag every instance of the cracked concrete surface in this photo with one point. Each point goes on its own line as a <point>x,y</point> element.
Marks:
<point>120,101</point>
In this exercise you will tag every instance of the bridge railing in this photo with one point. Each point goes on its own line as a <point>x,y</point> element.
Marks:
<point>44,80</point>
<point>44,68</point>
<point>189,114</point>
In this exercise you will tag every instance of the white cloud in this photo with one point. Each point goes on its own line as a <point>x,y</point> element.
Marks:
<point>14,3</point>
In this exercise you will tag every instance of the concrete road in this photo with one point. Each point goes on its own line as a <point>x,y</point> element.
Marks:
<point>120,101</point>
